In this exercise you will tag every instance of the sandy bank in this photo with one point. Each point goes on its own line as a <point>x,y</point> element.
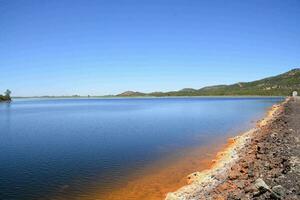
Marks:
<point>239,171</point>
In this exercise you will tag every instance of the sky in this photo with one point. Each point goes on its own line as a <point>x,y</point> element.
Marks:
<point>97,47</point>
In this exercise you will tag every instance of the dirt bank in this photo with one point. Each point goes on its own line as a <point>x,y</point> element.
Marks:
<point>263,163</point>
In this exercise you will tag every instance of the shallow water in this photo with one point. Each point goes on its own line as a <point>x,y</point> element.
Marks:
<point>52,148</point>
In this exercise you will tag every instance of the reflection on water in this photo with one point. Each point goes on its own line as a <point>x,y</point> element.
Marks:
<point>74,147</point>
<point>6,109</point>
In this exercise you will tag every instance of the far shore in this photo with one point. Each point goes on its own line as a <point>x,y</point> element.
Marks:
<point>145,97</point>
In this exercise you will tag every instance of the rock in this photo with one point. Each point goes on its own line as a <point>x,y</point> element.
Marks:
<point>260,149</point>
<point>275,196</point>
<point>249,189</point>
<point>258,156</point>
<point>234,196</point>
<point>220,176</point>
<point>233,175</point>
<point>274,135</point>
<point>240,184</point>
<point>279,190</point>
<point>261,185</point>
<point>251,170</point>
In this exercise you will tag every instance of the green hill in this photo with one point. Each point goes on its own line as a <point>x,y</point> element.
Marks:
<point>280,85</point>
<point>131,94</point>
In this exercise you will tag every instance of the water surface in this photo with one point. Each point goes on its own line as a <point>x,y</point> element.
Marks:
<point>51,148</point>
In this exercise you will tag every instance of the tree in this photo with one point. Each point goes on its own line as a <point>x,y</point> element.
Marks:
<point>7,93</point>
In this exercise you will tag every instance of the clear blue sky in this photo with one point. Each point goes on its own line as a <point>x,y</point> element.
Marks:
<point>97,47</point>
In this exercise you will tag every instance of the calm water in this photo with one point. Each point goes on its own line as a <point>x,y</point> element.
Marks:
<point>64,146</point>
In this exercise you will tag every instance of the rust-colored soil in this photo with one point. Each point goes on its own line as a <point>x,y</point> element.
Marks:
<point>160,178</point>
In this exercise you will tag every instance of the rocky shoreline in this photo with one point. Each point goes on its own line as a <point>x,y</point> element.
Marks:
<point>263,163</point>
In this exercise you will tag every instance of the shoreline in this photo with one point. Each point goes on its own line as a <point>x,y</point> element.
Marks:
<point>154,181</point>
<point>201,185</point>
<point>151,97</point>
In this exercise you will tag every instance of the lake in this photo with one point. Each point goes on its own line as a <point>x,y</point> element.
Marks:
<point>68,148</point>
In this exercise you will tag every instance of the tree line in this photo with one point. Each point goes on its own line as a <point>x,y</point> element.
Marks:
<point>6,96</point>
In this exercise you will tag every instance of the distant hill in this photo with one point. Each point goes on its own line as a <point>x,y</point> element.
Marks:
<point>131,93</point>
<point>280,85</point>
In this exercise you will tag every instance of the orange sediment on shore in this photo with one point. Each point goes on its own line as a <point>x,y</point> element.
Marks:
<point>206,180</point>
<point>154,182</point>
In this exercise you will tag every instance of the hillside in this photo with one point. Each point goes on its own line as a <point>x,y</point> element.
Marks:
<point>131,93</point>
<point>280,85</point>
